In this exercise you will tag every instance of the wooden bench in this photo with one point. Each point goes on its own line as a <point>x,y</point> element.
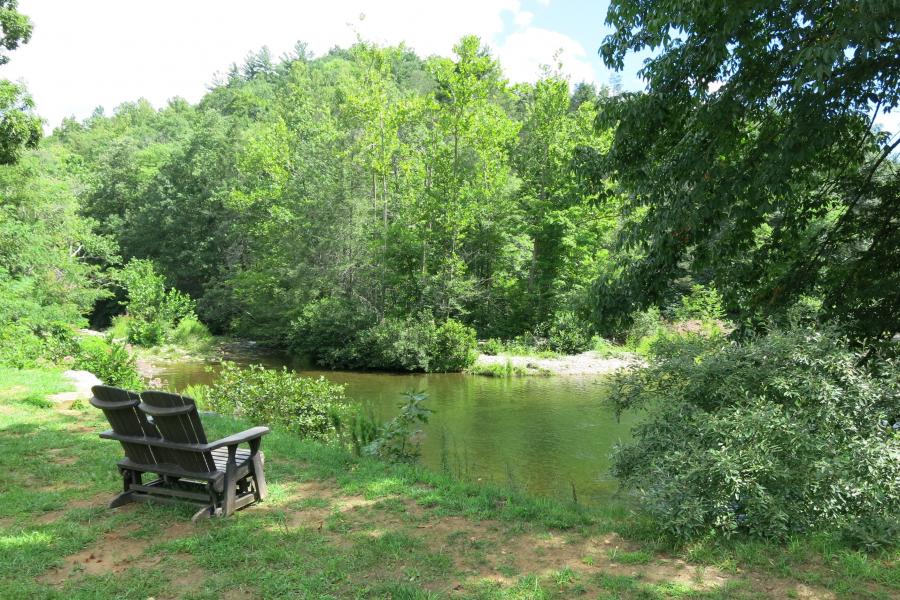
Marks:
<point>161,434</point>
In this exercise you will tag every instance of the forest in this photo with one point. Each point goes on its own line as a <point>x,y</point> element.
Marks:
<point>375,209</point>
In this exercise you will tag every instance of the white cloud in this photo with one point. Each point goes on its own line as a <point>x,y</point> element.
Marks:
<point>524,52</point>
<point>523,18</point>
<point>105,52</point>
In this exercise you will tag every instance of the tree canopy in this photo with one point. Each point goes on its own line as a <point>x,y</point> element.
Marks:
<point>19,126</point>
<point>752,160</point>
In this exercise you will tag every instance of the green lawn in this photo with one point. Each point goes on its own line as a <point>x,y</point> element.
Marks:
<point>338,527</point>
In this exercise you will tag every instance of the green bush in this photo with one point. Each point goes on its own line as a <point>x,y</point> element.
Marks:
<point>781,434</point>
<point>398,440</point>
<point>110,361</point>
<point>26,345</point>
<point>567,334</point>
<point>334,334</point>
<point>327,332</point>
<point>310,408</point>
<point>703,304</point>
<point>190,333</point>
<point>152,309</point>
<point>645,325</point>
<point>492,347</point>
<point>454,347</point>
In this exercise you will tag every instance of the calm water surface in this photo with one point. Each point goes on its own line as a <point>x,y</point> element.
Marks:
<point>539,434</point>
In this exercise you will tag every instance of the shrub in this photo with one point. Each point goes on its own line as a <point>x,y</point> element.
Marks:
<point>110,361</point>
<point>336,335</point>
<point>492,347</point>
<point>152,309</point>
<point>310,408</point>
<point>190,333</point>
<point>398,440</point>
<point>327,332</point>
<point>454,347</point>
<point>26,345</point>
<point>782,434</point>
<point>703,304</point>
<point>567,334</point>
<point>645,325</point>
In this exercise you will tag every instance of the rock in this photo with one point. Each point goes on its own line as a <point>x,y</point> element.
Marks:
<point>83,380</point>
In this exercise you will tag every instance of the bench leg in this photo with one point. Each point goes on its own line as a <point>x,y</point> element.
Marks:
<point>259,477</point>
<point>129,478</point>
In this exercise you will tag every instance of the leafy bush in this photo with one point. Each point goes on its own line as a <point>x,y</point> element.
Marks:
<point>782,434</point>
<point>491,347</point>
<point>645,325</point>
<point>337,335</point>
<point>327,330</point>
<point>153,310</point>
<point>110,361</point>
<point>26,345</point>
<point>398,440</point>
<point>703,303</point>
<point>454,347</point>
<point>310,408</point>
<point>190,333</point>
<point>567,334</point>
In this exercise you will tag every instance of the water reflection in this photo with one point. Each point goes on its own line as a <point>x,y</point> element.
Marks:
<point>540,434</point>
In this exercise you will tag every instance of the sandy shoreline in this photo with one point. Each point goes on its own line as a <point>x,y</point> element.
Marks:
<point>586,363</point>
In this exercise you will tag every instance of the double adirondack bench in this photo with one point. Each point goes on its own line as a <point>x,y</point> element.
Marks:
<point>162,435</point>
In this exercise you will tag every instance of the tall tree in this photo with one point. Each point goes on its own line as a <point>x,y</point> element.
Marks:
<point>19,126</point>
<point>752,157</point>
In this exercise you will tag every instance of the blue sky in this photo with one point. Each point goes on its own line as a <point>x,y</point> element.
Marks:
<point>91,53</point>
<point>104,52</point>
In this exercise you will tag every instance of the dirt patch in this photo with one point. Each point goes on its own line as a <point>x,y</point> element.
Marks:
<point>53,515</point>
<point>113,553</point>
<point>586,363</point>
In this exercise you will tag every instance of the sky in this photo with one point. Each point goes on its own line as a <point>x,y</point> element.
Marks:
<point>94,53</point>
<point>86,54</point>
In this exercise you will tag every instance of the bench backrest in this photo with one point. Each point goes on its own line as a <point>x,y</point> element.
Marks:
<point>177,420</point>
<point>121,410</point>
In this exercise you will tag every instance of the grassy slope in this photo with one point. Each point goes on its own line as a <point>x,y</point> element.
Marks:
<point>336,527</point>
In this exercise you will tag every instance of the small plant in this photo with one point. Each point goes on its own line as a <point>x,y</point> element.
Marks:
<point>311,408</point>
<point>702,303</point>
<point>491,347</point>
<point>398,440</point>
<point>152,309</point>
<point>567,334</point>
<point>109,360</point>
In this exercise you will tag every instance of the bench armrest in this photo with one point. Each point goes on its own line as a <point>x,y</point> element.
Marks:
<point>252,436</point>
<point>254,433</point>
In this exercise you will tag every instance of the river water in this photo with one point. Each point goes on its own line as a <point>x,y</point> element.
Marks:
<point>542,435</point>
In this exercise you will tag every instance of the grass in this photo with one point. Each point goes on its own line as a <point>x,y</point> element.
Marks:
<point>507,369</point>
<point>340,527</point>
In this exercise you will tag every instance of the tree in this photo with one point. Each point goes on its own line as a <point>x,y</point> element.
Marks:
<point>752,158</point>
<point>19,127</point>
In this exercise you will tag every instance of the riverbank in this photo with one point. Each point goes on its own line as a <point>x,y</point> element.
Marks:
<point>586,363</point>
<point>337,526</point>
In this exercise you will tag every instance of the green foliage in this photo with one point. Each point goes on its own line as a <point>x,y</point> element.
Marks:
<point>20,128</point>
<point>310,408</point>
<point>454,348</point>
<point>335,335</point>
<point>782,434</point>
<point>491,347</point>
<point>152,309</point>
<point>190,334</point>
<point>568,334</point>
<point>645,325</point>
<point>703,303</point>
<point>109,360</point>
<point>752,158</point>
<point>398,440</point>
